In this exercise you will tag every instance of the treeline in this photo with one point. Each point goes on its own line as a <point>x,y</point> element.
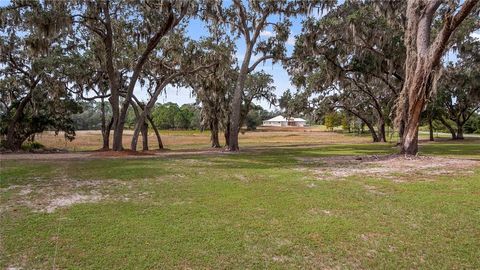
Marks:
<point>167,116</point>
<point>379,61</point>
<point>350,123</point>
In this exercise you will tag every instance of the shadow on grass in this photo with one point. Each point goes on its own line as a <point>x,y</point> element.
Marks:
<point>256,158</point>
<point>452,148</point>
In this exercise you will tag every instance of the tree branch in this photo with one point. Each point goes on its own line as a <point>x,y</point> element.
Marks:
<point>450,24</point>
<point>261,59</point>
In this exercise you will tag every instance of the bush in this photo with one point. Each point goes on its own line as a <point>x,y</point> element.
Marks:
<point>29,146</point>
<point>332,120</point>
<point>473,124</point>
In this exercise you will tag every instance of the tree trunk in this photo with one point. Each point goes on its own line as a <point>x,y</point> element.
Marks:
<point>365,122</point>
<point>236,107</point>
<point>113,77</point>
<point>430,128</point>
<point>372,132</point>
<point>12,142</point>
<point>145,136</point>
<point>104,123</point>
<point>152,43</point>
<point>449,127</point>
<point>235,114</point>
<point>227,133</point>
<point>214,134</point>
<point>157,134</point>
<point>460,131</point>
<point>106,135</point>
<point>422,60</point>
<point>118,133</point>
<point>139,129</point>
<point>418,87</point>
<point>244,112</point>
<point>105,128</point>
<point>382,137</point>
<point>401,129</point>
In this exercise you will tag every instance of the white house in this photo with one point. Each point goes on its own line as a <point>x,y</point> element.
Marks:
<point>280,121</point>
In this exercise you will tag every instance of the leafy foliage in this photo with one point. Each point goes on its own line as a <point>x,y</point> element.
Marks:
<point>171,116</point>
<point>350,59</point>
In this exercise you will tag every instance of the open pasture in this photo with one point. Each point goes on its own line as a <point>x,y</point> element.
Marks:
<point>308,200</point>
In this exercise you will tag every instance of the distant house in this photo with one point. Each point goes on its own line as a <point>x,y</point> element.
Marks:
<point>280,121</point>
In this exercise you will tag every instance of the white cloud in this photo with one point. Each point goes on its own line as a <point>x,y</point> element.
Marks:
<point>267,33</point>
<point>291,40</point>
<point>476,35</point>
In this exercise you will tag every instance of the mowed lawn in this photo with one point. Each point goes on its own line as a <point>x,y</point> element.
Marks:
<point>290,207</point>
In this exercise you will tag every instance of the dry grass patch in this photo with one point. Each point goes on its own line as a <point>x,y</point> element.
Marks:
<point>92,139</point>
<point>63,193</point>
<point>398,168</point>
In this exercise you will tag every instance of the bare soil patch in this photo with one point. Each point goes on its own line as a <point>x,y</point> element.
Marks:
<point>62,193</point>
<point>398,168</point>
<point>125,153</point>
<point>108,154</point>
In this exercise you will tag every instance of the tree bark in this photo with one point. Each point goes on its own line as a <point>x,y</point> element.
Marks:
<point>382,137</point>
<point>11,142</point>
<point>244,112</point>
<point>449,127</point>
<point>423,58</point>
<point>460,132</point>
<point>227,133</point>
<point>372,132</point>
<point>214,134</point>
<point>237,105</point>
<point>145,136</point>
<point>104,124</point>
<point>106,135</point>
<point>430,128</point>
<point>157,134</point>
<point>113,78</point>
<point>139,128</point>
<point>105,128</point>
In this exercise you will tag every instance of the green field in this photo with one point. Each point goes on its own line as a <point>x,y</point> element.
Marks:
<point>281,208</point>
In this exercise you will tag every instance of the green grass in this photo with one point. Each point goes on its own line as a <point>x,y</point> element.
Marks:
<point>248,210</point>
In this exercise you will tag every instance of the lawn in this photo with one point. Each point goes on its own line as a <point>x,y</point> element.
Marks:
<point>296,206</point>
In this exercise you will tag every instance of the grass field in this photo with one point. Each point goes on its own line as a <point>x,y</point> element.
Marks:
<point>195,139</point>
<point>291,199</point>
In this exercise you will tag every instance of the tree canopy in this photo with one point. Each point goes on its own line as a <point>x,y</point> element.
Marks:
<point>377,63</point>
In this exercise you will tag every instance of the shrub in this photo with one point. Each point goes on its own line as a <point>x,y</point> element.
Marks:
<point>32,146</point>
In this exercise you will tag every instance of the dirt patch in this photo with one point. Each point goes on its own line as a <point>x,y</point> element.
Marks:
<point>69,200</point>
<point>88,155</point>
<point>124,153</point>
<point>63,193</point>
<point>241,177</point>
<point>395,167</point>
<point>373,190</point>
<point>316,212</point>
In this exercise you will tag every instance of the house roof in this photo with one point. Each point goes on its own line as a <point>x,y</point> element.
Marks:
<point>280,118</point>
<point>299,120</point>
